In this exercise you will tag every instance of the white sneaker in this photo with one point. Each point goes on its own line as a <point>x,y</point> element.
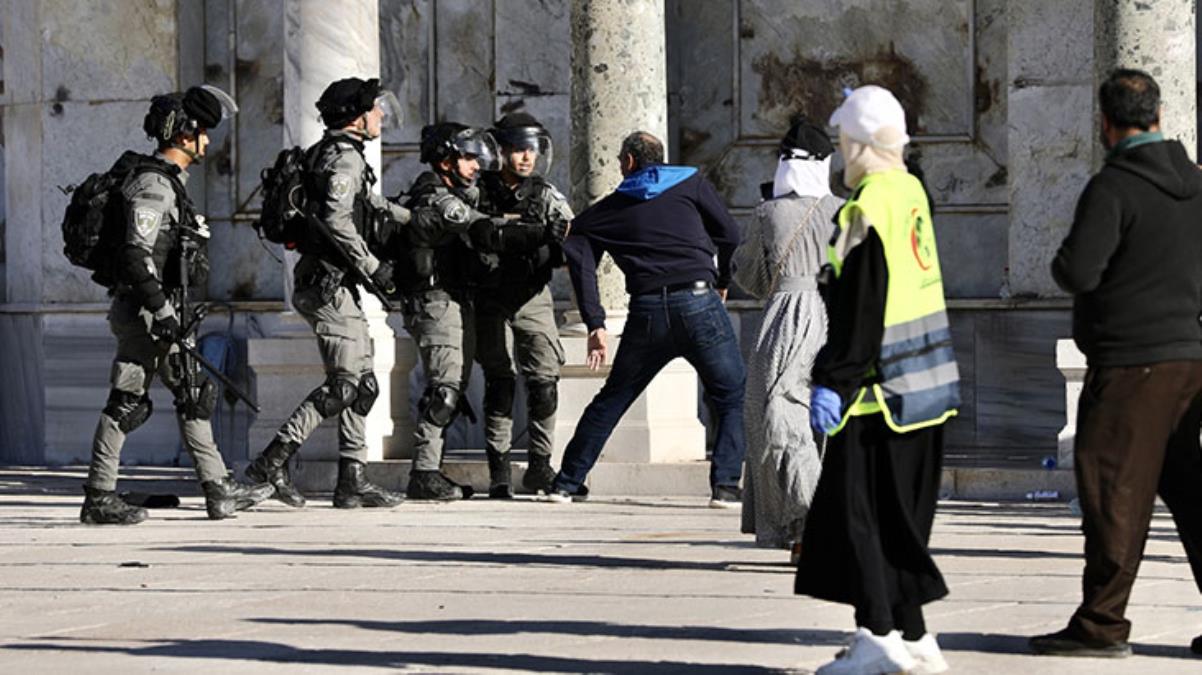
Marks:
<point>926,655</point>
<point>559,497</point>
<point>871,655</point>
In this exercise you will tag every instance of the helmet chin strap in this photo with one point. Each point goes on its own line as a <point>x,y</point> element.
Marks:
<point>193,155</point>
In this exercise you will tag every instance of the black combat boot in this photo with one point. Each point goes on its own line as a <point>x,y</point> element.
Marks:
<point>104,507</point>
<point>272,467</point>
<point>225,496</point>
<point>539,474</point>
<point>432,485</point>
<point>500,480</point>
<point>354,490</point>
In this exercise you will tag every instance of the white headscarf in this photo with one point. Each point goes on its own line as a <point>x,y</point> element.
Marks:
<point>802,175</point>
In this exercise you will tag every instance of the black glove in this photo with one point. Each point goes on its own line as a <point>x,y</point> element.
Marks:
<point>485,234</point>
<point>382,278</point>
<point>166,329</point>
<point>557,230</point>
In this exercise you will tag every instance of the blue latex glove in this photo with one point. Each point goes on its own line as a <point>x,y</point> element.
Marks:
<point>826,409</point>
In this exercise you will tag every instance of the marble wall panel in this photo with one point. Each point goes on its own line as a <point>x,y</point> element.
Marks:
<point>465,67</point>
<point>23,202</point>
<point>80,63</point>
<point>22,407</point>
<point>405,28</point>
<point>972,252</point>
<point>797,57</point>
<point>70,151</point>
<point>1019,391</point>
<point>1050,128</point>
<point>701,79</point>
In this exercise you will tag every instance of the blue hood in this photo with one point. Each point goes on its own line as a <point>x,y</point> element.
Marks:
<point>653,181</point>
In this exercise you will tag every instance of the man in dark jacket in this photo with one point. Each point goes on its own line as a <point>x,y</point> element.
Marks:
<point>663,226</point>
<point>1133,262</point>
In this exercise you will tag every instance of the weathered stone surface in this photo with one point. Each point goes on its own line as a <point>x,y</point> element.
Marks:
<point>619,85</point>
<point>1160,38</point>
<point>1051,133</point>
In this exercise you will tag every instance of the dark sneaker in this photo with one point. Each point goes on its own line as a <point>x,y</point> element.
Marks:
<point>1067,643</point>
<point>353,490</point>
<point>104,507</point>
<point>1196,645</point>
<point>539,477</point>
<point>726,497</point>
<point>433,485</point>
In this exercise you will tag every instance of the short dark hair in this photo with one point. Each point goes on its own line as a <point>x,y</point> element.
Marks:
<point>647,150</point>
<point>1130,99</point>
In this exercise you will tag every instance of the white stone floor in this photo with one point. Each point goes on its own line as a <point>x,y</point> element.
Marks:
<point>639,585</point>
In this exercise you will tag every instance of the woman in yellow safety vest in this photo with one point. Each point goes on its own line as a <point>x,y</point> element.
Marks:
<point>884,384</point>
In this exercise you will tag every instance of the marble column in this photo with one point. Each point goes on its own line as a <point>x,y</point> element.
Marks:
<point>1157,37</point>
<point>324,42</point>
<point>619,85</point>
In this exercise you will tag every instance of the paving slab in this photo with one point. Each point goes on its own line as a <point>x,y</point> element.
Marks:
<point>612,585</point>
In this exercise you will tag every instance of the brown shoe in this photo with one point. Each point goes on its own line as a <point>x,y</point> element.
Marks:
<point>1068,643</point>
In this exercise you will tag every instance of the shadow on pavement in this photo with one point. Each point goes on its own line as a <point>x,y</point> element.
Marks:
<point>483,557</point>
<point>506,627</point>
<point>1018,553</point>
<point>992,643</point>
<point>274,652</point>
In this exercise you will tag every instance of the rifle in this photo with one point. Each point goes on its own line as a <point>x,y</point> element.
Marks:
<point>190,356</point>
<point>364,280</point>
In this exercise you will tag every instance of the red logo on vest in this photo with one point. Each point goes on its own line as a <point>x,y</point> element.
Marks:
<point>920,240</point>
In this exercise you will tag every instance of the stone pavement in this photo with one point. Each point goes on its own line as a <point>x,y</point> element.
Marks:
<point>635,585</point>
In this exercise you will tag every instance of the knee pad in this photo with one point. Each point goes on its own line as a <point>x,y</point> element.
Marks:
<point>369,391</point>
<point>334,396</point>
<point>439,404</point>
<point>498,397</point>
<point>129,411</point>
<point>204,405</point>
<point>542,398</point>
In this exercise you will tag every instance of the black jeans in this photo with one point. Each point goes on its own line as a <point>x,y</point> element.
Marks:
<point>663,326</point>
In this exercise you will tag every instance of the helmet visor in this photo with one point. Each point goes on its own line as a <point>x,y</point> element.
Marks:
<point>526,151</point>
<point>389,105</point>
<point>228,107</point>
<point>480,144</point>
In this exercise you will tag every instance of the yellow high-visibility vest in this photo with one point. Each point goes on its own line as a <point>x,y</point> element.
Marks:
<point>915,383</point>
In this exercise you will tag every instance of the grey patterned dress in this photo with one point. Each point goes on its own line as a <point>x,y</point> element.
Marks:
<point>778,261</point>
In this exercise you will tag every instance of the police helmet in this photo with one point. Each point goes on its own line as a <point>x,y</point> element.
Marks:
<point>187,112</point>
<point>450,140</point>
<point>521,131</point>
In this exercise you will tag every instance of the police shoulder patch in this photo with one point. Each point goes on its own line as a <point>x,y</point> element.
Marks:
<point>146,220</point>
<point>340,186</point>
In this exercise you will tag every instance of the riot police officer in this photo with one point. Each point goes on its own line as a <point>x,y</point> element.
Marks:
<point>518,300</point>
<point>437,270</point>
<point>144,317</point>
<point>344,216</point>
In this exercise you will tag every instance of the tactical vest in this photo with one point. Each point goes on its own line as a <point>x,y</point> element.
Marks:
<point>167,244</point>
<point>916,381</point>
<point>434,258</point>
<point>362,209</point>
<point>527,272</point>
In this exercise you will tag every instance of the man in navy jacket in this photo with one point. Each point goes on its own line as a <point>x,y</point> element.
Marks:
<point>663,226</point>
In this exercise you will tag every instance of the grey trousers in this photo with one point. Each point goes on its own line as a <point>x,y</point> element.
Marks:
<point>139,358</point>
<point>347,353</point>
<point>444,330</point>
<point>534,338</point>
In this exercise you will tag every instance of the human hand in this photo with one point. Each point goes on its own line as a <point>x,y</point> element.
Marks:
<point>722,294</point>
<point>596,349</point>
<point>826,409</point>
<point>382,278</point>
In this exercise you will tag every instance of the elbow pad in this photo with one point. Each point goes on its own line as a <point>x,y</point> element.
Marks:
<point>141,276</point>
